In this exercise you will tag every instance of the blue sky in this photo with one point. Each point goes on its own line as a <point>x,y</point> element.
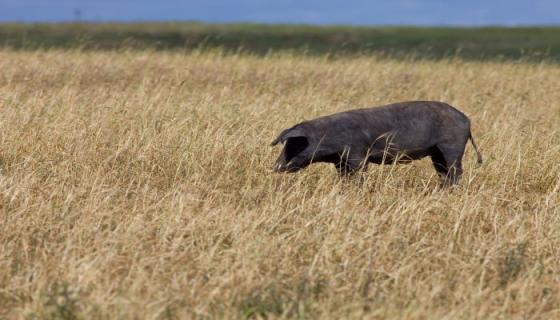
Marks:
<point>354,12</point>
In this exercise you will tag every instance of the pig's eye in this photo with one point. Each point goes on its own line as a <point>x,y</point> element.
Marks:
<point>294,146</point>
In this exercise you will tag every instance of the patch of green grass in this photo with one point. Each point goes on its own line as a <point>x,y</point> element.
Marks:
<point>513,263</point>
<point>274,301</point>
<point>60,301</point>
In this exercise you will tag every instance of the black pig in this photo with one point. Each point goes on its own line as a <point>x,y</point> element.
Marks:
<point>395,133</point>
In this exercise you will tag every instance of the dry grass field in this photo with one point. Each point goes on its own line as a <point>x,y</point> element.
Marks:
<point>138,185</point>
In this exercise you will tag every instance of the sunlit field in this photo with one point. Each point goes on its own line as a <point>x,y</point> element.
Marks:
<point>138,185</point>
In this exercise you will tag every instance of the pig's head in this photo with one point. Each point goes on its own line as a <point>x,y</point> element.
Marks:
<point>296,154</point>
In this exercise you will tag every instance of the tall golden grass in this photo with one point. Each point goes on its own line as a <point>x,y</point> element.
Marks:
<point>139,185</point>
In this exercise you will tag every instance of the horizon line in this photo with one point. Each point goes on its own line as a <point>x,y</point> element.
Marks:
<point>302,24</point>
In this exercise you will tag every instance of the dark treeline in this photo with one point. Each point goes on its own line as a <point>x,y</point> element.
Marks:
<point>434,42</point>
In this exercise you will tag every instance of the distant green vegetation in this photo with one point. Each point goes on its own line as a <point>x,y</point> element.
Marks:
<point>433,42</point>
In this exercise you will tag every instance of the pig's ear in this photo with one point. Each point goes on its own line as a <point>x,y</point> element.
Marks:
<point>286,134</point>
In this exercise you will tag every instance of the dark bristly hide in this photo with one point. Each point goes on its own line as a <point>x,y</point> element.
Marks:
<point>395,133</point>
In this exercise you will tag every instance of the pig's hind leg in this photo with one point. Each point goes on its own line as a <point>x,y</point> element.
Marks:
<point>447,160</point>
